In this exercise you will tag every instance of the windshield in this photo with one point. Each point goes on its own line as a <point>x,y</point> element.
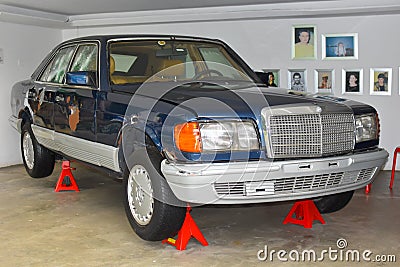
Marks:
<point>136,61</point>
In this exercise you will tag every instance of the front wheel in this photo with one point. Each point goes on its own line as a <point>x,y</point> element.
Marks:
<point>150,205</point>
<point>38,160</point>
<point>334,202</point>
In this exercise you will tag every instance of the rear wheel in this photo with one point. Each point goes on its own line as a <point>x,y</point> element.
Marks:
<point>334,202</point>
<point>38,160</point>
<point>149,202</point>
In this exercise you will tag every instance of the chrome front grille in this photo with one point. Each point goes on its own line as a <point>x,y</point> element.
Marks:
<point>337,133</point>
<point>230,189</point>
<point>366,174</point>
<point>293,184</point>
<point>295,135</point>
<point>310,135</point>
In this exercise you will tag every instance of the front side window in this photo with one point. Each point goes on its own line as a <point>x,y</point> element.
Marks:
<point>56,69</point>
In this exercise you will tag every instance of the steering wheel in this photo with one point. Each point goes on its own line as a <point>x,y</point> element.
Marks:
<point>207,71</point>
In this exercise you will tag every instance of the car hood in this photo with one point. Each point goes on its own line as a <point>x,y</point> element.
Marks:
<point>247,101</point>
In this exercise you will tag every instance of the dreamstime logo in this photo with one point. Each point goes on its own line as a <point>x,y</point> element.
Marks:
<point>341,243</point>
<point>338,253</point>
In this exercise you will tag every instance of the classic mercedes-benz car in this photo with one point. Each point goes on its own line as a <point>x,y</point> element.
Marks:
<point>184,121</point>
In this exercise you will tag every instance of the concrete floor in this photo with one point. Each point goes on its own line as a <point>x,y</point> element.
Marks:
<point>42,228</point>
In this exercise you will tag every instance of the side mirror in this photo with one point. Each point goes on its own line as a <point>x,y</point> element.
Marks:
<point>83,78</point>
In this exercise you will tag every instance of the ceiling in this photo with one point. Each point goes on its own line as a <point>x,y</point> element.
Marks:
<point>91,13</point>
<point>80,7</point>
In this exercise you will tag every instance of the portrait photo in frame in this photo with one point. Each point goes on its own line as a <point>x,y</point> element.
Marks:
<point>297,79</point>
<point>352,81</point>
<point>304,42</point>
<point>273,77</point>
<point>380,81</point>
<point>340,46</point>
<point>324,81</point>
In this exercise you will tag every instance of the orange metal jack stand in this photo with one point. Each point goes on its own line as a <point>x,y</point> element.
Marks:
<point>66,181</point>
<point>189,229</point>
<point>306,212</point>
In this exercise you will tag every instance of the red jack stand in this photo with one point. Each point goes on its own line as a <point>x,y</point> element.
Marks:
<point>396,151</point>
<point>306,212</point>
<point>368,188</point>
<point>66,174</point>
<point>189,229</point>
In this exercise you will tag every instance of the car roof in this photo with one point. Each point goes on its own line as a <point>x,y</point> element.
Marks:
<point>105,38</point>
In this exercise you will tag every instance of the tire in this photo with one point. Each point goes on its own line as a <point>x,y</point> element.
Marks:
<point>38,160</point>
<point>333,203</point>
<point>148,198</point>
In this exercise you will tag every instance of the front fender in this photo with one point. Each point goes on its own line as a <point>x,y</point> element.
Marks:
<point>134,137</point>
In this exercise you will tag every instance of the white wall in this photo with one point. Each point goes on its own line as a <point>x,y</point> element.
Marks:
<point>23,48</point>
<point>266,44</point>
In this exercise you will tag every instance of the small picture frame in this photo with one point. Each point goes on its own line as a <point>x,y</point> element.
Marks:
<point>324,81</point>
<point>304,42</point>
<point>297,80</point>
<point>352,81</point>
<point>273,77</point>
<point>340,46</point>
<point>380,81</point>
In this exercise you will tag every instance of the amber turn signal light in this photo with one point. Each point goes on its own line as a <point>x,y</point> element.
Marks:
<point>187,137</point>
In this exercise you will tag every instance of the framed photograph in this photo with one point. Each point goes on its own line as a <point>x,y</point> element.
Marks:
<point>273,77</point>
<point>380,81</point>
<point>297,80</point>
<point>304,42</point>
<point>324,81</point>
<point>340,46</point>
<point>352,81</point>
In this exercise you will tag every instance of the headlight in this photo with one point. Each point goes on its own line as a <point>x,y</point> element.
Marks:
<point>216,136</point>
<point>366,127</point>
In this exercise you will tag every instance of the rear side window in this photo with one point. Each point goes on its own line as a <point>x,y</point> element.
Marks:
<point>55,71</point>
<point>86,58</point>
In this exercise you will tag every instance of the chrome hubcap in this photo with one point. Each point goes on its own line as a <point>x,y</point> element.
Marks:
<point>27,145</point>
<point>140,195</point>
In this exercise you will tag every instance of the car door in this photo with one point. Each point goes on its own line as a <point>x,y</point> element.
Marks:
<point>42,95</point>
<point>74,110</point>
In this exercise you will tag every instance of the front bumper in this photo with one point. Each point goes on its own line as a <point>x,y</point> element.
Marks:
<point>264,181</point>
